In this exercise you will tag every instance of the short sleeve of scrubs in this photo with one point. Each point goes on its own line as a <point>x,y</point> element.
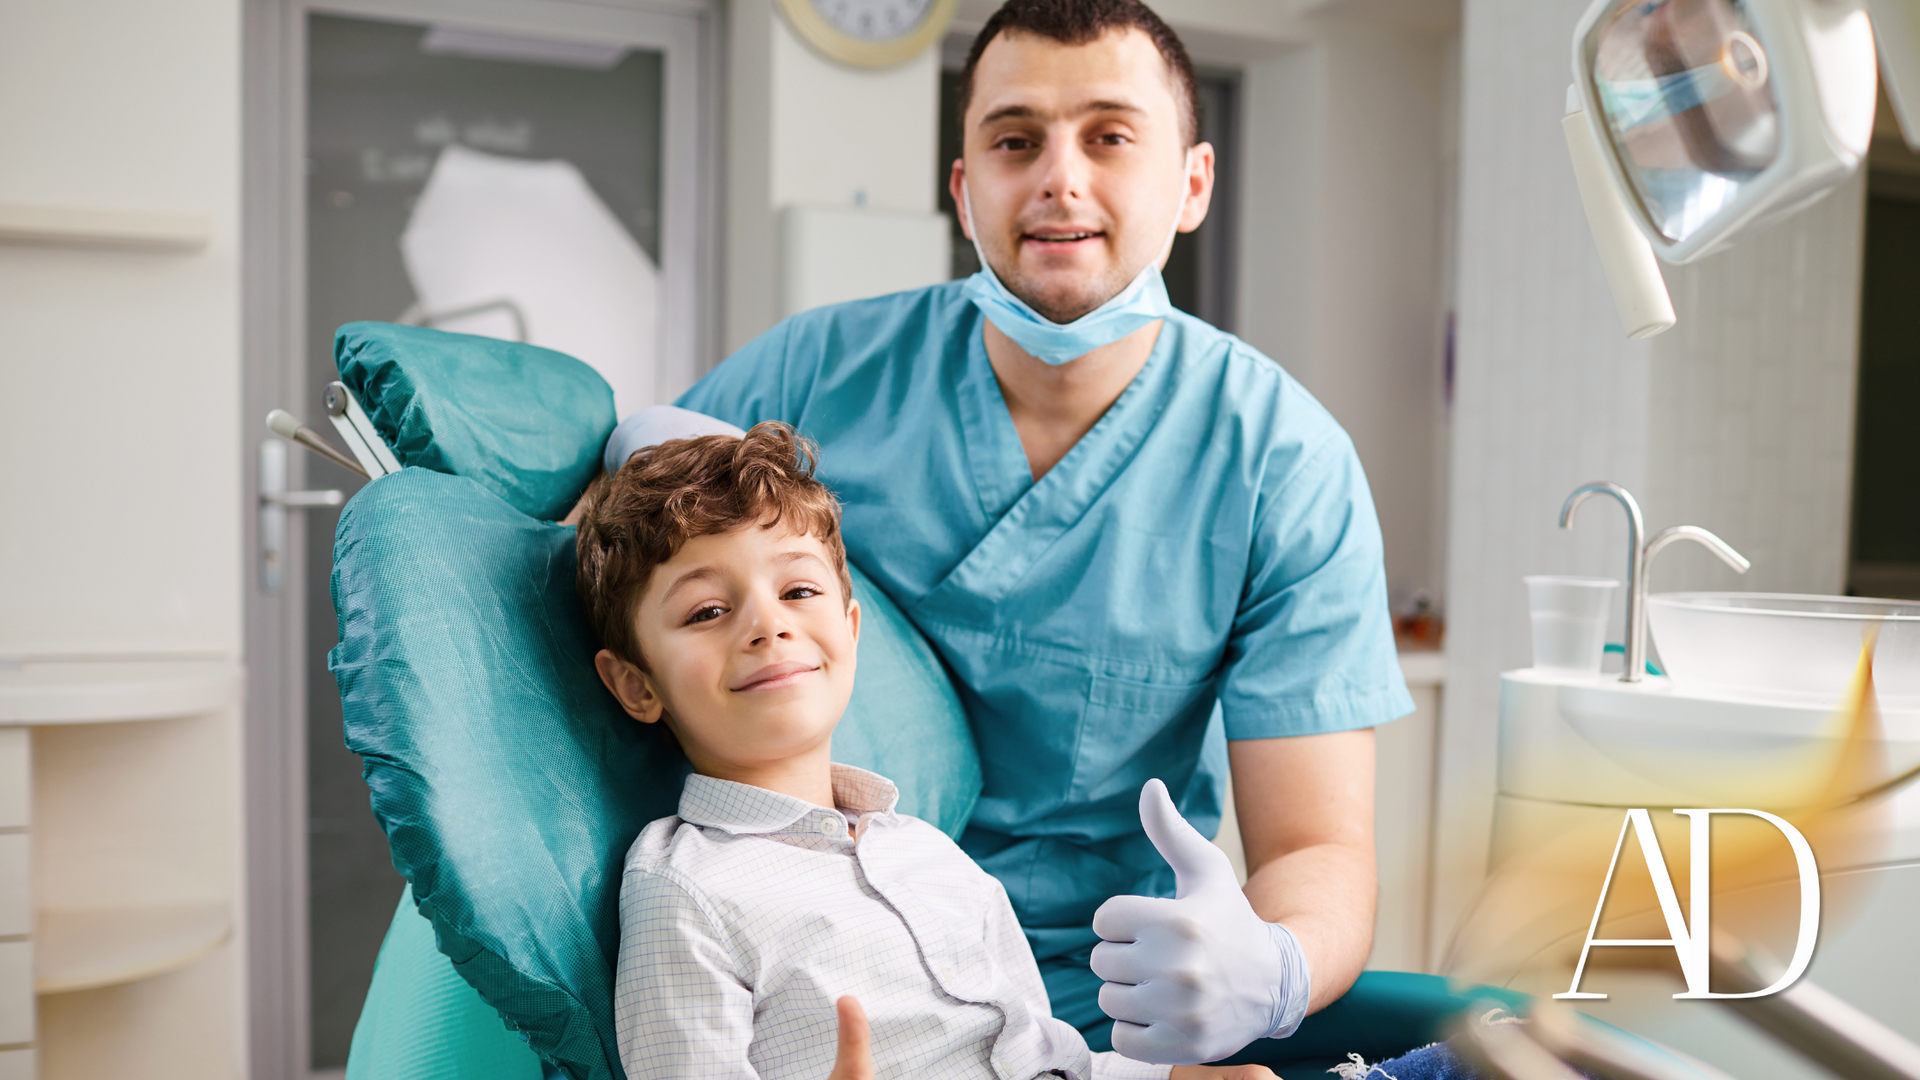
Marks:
<point>1310,648</point>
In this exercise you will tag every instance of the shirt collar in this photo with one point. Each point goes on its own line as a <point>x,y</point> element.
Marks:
<point>742,809</point>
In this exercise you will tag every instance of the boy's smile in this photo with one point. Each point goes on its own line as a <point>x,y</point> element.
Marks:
<point>776,676</point>
<point>749,642</point>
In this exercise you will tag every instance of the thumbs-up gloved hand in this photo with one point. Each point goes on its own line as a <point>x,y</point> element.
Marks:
<point>1198,977</point>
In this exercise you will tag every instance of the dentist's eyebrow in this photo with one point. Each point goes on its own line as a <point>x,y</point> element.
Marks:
<point>1109,106</point>
<point>1028,112</point>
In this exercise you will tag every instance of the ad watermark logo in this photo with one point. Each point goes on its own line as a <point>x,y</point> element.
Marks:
<point>1690,937</point>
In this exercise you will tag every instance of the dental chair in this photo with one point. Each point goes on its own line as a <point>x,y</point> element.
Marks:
<point>508,781</point>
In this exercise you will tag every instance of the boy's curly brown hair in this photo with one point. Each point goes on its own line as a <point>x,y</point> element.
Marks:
<point>639,517</point>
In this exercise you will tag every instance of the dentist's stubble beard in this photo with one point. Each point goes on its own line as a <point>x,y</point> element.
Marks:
<point>1095,289</point>
<point>1057,297</point>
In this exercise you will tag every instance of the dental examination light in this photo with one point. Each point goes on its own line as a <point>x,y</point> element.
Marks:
<point>1689,121</point>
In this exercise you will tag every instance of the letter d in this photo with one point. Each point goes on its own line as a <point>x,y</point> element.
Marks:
<point>1809,872</point>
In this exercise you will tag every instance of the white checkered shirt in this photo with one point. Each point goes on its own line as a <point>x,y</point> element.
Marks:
<point>746,917</point>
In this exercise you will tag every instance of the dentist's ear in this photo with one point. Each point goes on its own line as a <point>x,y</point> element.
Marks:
<point>630,686</point>
<point>1199,181</point>
<point>957,187</point>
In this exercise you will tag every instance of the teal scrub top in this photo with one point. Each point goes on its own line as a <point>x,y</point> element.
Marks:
<point>1205,561</point>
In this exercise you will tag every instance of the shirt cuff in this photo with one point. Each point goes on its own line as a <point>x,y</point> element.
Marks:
<point>1111,1066</point>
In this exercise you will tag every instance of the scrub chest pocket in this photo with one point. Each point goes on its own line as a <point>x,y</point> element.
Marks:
<point>1131,731</point>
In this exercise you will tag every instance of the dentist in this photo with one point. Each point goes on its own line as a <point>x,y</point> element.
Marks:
<point>1128,534</point>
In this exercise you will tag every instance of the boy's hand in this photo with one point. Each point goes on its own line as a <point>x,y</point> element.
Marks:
<point>854,1059</point>
<point>1222,1072</point>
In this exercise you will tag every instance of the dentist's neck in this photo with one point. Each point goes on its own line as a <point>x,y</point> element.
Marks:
<point>1053,406</point>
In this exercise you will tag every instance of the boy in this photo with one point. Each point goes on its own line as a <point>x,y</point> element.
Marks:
<point>713,570</point>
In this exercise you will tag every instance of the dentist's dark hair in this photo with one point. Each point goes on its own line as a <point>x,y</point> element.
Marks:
<point>1081,22</point>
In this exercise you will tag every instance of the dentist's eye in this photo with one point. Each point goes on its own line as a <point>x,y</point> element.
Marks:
<point>706,614</point>
<point>1019,144</point>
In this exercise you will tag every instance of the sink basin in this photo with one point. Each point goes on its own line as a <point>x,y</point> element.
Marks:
<point>1802,648</point>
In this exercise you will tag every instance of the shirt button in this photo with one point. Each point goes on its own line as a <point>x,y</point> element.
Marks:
<point>828,827</point>
<point>946,973</point>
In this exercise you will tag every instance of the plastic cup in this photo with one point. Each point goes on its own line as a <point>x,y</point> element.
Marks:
<point>1569,622</point>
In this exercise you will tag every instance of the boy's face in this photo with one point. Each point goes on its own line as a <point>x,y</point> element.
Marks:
<point>751,644</point>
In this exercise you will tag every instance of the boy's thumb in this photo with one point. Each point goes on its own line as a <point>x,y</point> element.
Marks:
<point>854,1058</point>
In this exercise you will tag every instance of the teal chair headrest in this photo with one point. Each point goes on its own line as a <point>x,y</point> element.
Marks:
<point>509,783</point>
<point>526,423</point>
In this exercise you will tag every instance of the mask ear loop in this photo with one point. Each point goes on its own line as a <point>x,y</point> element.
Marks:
<point>973,234</point>
<point>1186,173</point>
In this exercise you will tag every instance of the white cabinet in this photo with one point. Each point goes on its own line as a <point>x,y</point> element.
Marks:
<point>120,830</point>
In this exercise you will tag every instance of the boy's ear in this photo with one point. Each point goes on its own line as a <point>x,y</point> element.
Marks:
<point>853,619</point>
<point>630,686</point>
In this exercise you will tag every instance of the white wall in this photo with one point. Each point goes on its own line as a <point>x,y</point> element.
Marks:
<point>1374,329</point>
<point>1739,420</point>
<point>119,463</point>
<point>804,130</point>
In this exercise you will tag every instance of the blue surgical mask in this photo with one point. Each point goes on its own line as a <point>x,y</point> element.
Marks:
<point>1141,302</point>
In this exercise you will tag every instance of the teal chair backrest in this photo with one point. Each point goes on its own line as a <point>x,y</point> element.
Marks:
<point>508,781</point>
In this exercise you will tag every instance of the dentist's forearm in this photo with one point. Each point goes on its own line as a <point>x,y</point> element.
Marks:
<point>1305,806</point>
<point>1325,894</point>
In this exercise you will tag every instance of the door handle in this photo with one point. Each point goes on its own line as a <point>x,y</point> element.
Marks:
<point>275,501</point>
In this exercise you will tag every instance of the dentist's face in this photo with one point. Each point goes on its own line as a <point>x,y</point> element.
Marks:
<point>1074,167</point>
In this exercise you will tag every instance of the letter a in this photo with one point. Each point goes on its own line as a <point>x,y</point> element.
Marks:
<point>1680,941</point>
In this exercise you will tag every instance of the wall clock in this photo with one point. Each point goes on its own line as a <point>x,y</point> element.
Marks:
<point>870,33</point>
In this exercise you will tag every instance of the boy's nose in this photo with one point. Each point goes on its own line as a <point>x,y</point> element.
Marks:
<point>766,624</point>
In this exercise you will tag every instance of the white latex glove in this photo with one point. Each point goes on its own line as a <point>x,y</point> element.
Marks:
<point>1198,977</point>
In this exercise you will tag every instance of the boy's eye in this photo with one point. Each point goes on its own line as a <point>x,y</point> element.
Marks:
<point>706,614</point>
<point>800,592</point>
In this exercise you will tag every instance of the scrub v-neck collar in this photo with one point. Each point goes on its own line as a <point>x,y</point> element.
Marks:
<point>1023,515</point>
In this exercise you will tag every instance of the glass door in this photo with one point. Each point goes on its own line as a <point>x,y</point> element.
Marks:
<point>417,136</point>
<point>533,172</point>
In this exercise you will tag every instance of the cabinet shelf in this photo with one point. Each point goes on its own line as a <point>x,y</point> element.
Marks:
<point>99,227</point>
<point>87,948</point>
<point>103,691</point>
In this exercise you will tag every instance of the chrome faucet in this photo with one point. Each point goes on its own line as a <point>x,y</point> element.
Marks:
<point>1640,561</point>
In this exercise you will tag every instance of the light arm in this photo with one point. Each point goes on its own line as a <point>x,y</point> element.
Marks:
<point>681,1006</point>
<point>1305,807</point>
